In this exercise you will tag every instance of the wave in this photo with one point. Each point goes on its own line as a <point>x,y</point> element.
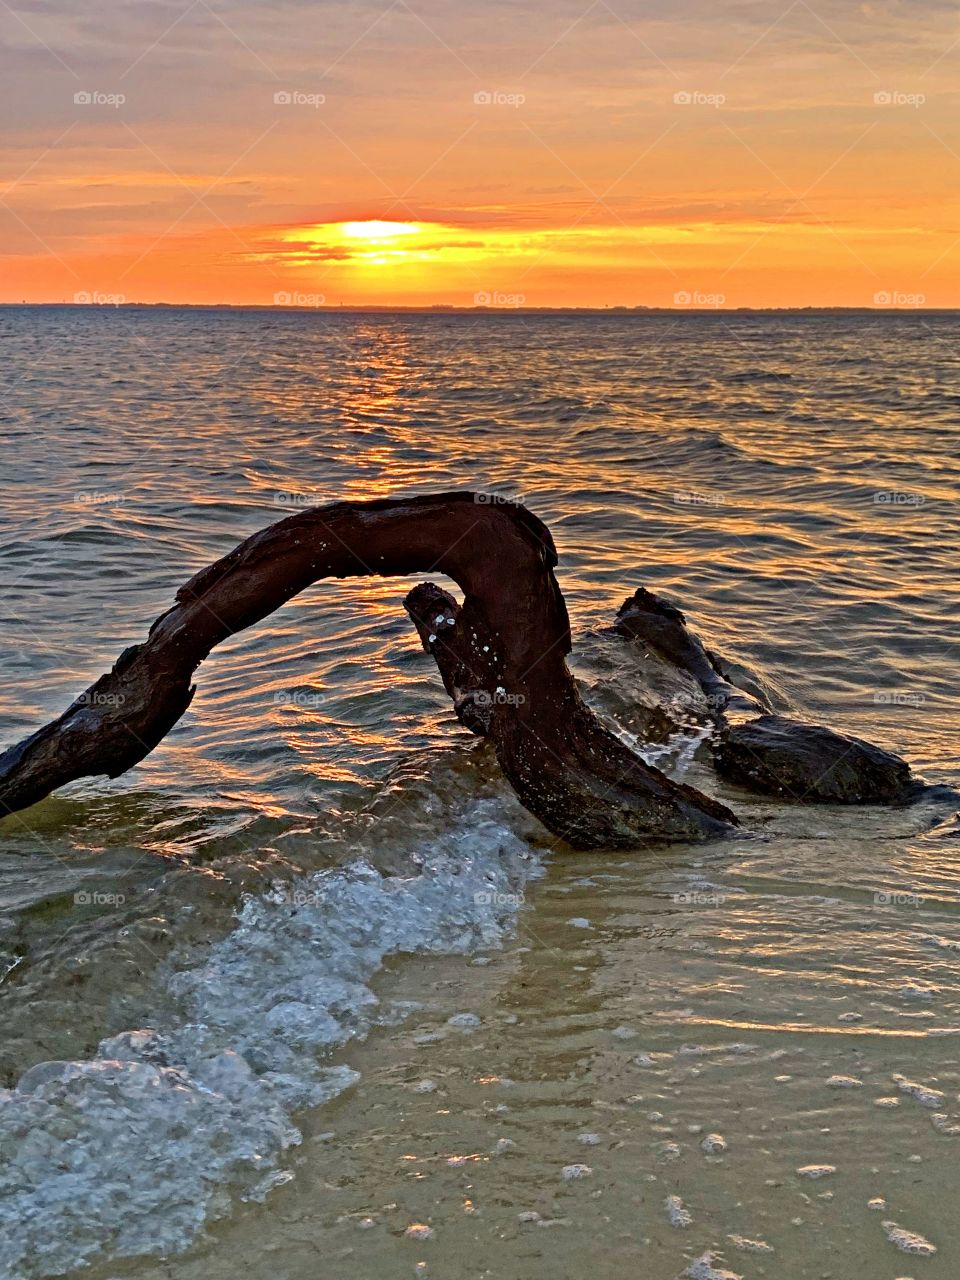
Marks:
<point>756,375</point>
<point>133,1151</point>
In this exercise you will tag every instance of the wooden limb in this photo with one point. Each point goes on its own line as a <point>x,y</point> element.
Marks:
<point>508,640</point>
<point>568,769</point>
<point>761,751</point>
<point>649,619</point>
<point>436,616</point>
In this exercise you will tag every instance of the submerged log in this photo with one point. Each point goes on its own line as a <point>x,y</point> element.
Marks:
<point>809,762</point>
<point>503,657</point>
<point>771,754</point>
<point>648,618</point>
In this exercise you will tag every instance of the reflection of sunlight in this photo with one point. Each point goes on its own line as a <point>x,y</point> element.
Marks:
<point>383,471</point>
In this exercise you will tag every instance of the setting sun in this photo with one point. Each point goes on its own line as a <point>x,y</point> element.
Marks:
<point>377,231</point>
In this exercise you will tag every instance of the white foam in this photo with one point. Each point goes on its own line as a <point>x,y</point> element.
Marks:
<point>678,751</point>
<point>908,1241</point>
<point>418,1231</point>
<point>132,1153</point>
<point>465,1021</point>
<point>678,1213</point>
<point>703,1268</point>
<point>750,1246</point>
<point>922,1093</point>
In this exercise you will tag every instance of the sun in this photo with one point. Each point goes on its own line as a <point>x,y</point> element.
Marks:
<point>376,231</point>
<point>367,242</point>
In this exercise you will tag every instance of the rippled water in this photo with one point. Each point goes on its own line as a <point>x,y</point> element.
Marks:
<point>318,869</point>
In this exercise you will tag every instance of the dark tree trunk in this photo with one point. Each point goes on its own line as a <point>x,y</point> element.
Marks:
<point>502,657</point>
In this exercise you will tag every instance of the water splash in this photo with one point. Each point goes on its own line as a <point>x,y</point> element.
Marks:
<point>132,1152</point>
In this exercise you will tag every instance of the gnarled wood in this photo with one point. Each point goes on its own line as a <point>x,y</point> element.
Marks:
<point>507,643</point>
<point>770,754</point>
<point>648,618</point>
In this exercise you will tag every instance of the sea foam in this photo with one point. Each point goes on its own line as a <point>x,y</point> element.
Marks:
<point>132,1152</point>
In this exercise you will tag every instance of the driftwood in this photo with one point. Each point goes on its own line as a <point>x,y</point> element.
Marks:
<point>502,657</point>
<point>770,754</point>
<point>648,618</point>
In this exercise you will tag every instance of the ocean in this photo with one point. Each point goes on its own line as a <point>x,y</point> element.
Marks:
<point>308,988</point>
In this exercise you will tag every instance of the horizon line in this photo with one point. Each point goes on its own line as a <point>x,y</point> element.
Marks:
<point>450,308</point>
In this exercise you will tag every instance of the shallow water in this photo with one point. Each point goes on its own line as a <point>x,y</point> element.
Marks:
<point>791,481</point>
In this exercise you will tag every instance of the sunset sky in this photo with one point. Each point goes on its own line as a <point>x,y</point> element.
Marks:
<point>675,152</point>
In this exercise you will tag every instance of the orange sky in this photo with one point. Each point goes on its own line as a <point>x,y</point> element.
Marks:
<point>591,154</point>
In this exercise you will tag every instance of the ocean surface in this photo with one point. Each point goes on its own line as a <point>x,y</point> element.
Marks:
<point>307,992</point>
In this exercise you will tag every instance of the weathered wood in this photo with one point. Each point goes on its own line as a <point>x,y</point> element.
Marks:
<point>436,615</point>
<point>581,780</point>
<point>649,619</point>
<point>509,641</point>
<point>771,754</point>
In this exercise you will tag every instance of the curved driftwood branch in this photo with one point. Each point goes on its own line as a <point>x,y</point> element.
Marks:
<point>503,655</point>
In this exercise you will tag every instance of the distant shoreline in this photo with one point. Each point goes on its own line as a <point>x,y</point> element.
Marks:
<point>439,309</point>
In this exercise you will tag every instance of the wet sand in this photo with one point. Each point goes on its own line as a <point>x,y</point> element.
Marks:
<point>707,1054</point>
